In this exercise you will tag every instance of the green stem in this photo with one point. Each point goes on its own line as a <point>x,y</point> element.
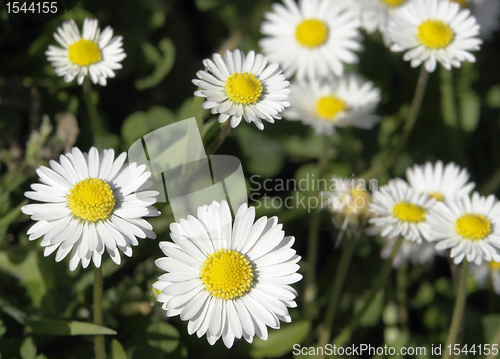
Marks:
<point>492,355</point>
<point>458,311</point>
<point>99,345</point>
<point>93,114</point>
<point>378,284</point>
<point>338,283</point>
<point>312,248</point>
<point>401,297</point>
<point>449,108</point>
<point>407,128</point>
<point>217,142</point>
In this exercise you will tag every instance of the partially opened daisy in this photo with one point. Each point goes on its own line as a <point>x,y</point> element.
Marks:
<point>485,271</point>
<point>375,15</point>
<point>243,87</point>
<point>91,203</point>
<point>399,210</point>
<point>326,104</point>
<point>91,52</point>
<point>470,227</point>
<point>228,280</point>
<point>432,31</point>
<point>312,38</point>
<point>438,181</point>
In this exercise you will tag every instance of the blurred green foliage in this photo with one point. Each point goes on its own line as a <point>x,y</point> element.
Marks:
<point>165,42</point>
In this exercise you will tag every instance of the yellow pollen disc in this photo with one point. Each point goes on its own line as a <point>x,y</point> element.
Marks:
<point>393,2</point>
<point>436,195</point>
<point>360,199</point>
<point>328,107</point>
<point>494,265</point>
<point>227,274</point>
<point>463,3</point>
<point>409,212</point>
<point>311,33</point>
<point>84,53</point>
<point>243,88</point>
<point>91,199</point>
<point>434,34</point>
<point>473,226</point>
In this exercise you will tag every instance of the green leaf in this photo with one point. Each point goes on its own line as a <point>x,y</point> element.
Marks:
<point>373,313</point>
<point>163,63</point>
<point>9,218</point>
<point>491,327</point>
<point>470,110</point>
<point>264,155</point>
<point>162,336</point>
<point>60,327</point>
<point>493,97</point>
<point>117,351</point>
<point>280,342</point>
<point>141,123</point>
<point>28,349</point>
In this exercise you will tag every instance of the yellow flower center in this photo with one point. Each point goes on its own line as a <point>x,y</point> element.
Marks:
<point>437,195</point>
<point>227,274</point>
<point>328,107</point>
<point>311,33</point>
<point>393,2</point>
<point>494,265</point>
<point>463,3</point>
<point>91,199</point>
<point>84,53</point>
<point>473,226</point>
<point>409,212</point>
<point>434,34</point>
<point>243,88</point>
<point>360,199</point>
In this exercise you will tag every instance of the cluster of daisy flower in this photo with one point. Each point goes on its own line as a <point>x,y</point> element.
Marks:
<point>436,207</point>
<point>230,278</point>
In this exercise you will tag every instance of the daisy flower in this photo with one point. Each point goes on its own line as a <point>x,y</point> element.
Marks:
<point>375,15</point>
<point>434,31</point>
<point>349,198</point>
<point>486,270</point>
<point>438,181</point>
<point>469,226</point>
<point>486,12</point>
<point>335,102</point>
<point>410,252</point>
<point>228,280</point>
<point>399,210</point>
<point>92,52</point>
<point>239,87</point>
<point>91,202</point>
<point>312,38</point>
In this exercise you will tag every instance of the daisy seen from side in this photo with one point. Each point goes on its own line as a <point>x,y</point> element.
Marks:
<point>91,203</point>
<point>432,31</point>
<point>313,38</point>
<point>487,271</point>
<point>90,53</point>
<point>375,15</point>
<point>228,280</point>
<point>325,104</point>
<point>439,181</point>
<point>469,226</point>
